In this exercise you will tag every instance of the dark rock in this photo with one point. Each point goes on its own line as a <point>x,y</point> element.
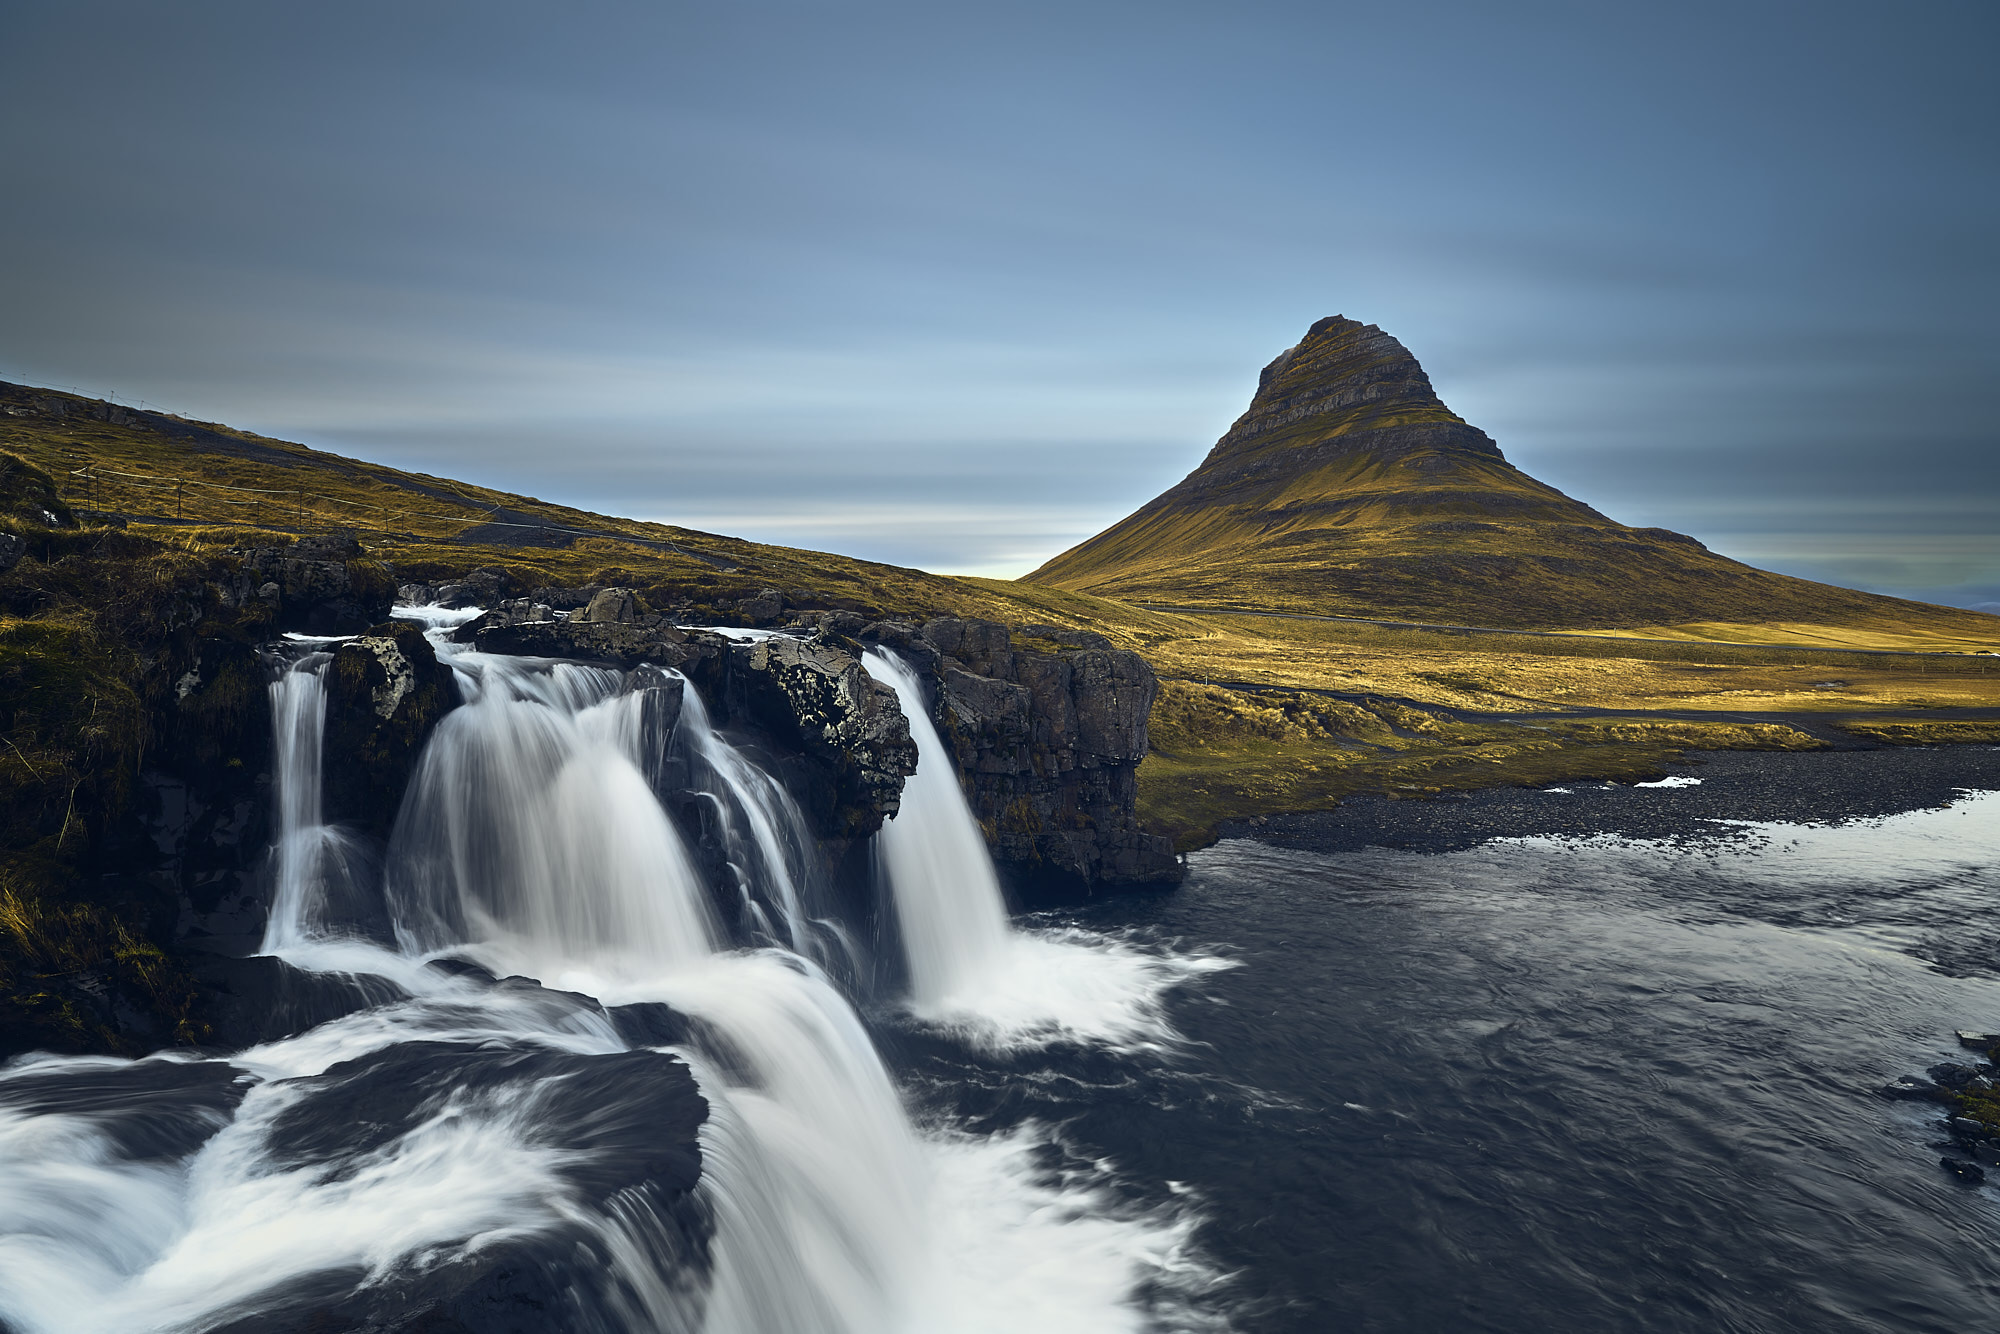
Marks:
<point>1976,1040</point>
<point>818,698</point>
<point>154,1111</point>
<point>482,588</point>
<point>1047,746</point>
<point>622,645</point>
<point>1966,1129</point>
<point>1951,1074</point>
<point>505,614</point>
<point>612,606</point>
<point>1909,1088</point>
<point>621,1131</point>
<point>1970,1173</point>
<point>319,585</point>
<point>12,548</point>
<point>261,998</point>
<point>385,691</point>
<point>205,800</point>
<point>456,967</point>
<point>765,608</point>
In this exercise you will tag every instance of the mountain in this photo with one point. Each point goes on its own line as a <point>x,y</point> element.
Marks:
<point>1349,488</point>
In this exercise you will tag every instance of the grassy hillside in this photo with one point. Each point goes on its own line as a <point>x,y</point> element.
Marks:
<point>1257,713</point>
<point>1348,488</point>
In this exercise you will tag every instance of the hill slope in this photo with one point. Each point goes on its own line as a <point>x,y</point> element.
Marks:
<point>1348,488</point>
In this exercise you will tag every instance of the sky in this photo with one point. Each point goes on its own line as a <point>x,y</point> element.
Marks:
<point>957,286</point>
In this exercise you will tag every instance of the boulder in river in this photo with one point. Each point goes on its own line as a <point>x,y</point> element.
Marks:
<point>1972,1174</point>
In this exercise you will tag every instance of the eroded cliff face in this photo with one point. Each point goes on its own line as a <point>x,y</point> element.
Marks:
<point>1047,736</point>
<point>1047,742</point>
<point>838,736</point>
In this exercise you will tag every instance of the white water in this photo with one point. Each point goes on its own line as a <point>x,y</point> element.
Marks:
<point>532,842</point>
<point>969,970</point>
<point>313,863</point>
<point>770,852</point>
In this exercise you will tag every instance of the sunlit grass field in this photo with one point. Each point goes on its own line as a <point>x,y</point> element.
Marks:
<point>1257,714</point>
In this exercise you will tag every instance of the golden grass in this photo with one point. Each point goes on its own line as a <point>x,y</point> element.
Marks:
<point>1382,721</point>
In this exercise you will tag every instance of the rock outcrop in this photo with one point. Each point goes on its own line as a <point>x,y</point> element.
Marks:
<point>385,691</point>
<point>612,627</point>
<point>816,699</point>
<point>1047,745</point>
<point>317,585</point>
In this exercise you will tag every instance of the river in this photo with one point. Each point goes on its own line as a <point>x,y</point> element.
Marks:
<point>1582,1079</point>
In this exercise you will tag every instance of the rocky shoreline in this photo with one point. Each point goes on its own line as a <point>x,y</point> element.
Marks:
<point>1971,1102</point>
<point>1710,787</point>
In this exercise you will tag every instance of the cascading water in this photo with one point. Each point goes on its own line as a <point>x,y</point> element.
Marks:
<point>969,970</point>
<point>949,908</point>
<point>463,1118</point>
<point>769,851</point>
<point>306,851</point>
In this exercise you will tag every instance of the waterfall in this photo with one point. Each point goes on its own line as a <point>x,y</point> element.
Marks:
<point>531,837</point>
<point>969,970</point>
<point>769,850</point>
<point>533,842</point>
<point>947,899</point>
<point>315,866</point>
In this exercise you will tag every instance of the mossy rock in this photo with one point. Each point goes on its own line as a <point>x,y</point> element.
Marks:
<point>29,497</point>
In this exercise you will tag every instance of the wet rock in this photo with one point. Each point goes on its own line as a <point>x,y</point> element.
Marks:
<point>1047,745</point>
<point>622,645</point>
<point>1971,1174</point>
<point>385,691</point>
<point>849,726</point>
<point>261,998</point>
<point>1966,1129</point>
<point>619,1131</point>
<point>205,798</point>
<point>1909,1088</point>
<point>482,588</point>
<point>1976,1040</point>
<point>1952,1075</point>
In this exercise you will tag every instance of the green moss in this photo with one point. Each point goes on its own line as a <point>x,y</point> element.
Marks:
<point>65,970</point>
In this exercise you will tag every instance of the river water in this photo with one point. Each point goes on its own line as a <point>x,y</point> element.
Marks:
<point>1598,1083</point>
<point>1580,1082</point>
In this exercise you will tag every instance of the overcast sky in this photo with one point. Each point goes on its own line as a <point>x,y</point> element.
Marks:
<point>956,286</point>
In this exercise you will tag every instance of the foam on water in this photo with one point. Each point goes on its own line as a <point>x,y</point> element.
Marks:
<point>970,972</point>
<point>533,842</point>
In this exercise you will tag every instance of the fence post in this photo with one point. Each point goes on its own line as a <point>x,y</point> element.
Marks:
<point>179,488</point>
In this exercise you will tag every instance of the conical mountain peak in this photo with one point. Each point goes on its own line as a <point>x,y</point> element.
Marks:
<point>1343,377</point>
<point>1349,488</point>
